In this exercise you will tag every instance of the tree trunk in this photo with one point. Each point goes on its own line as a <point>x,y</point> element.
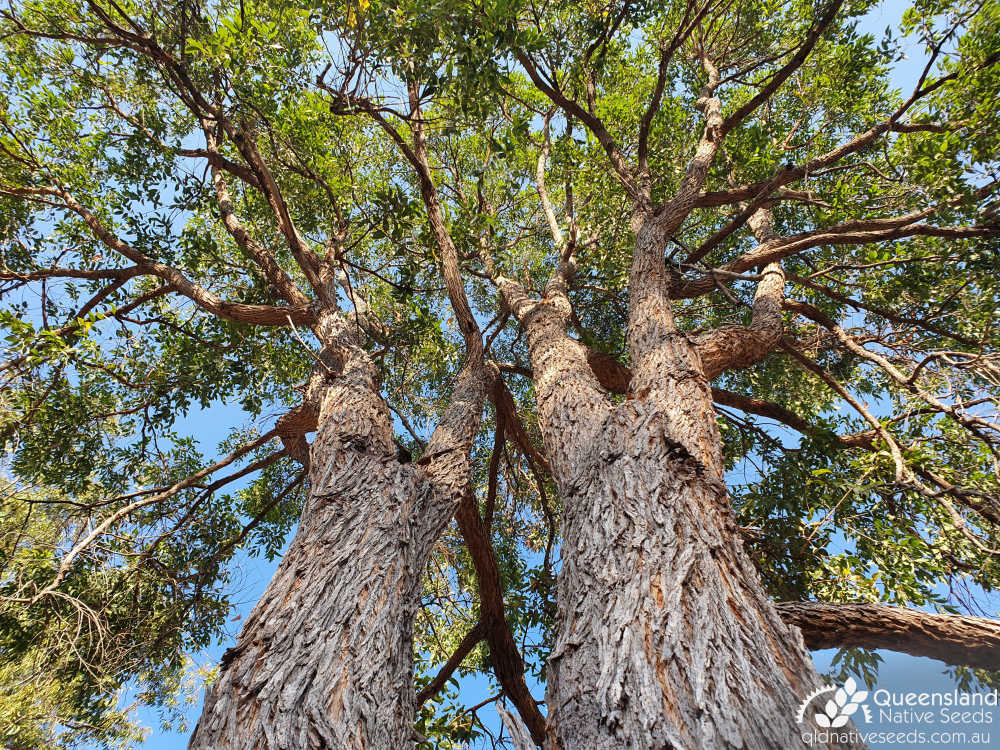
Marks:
<point>665,638</point>
<point>325,659</point>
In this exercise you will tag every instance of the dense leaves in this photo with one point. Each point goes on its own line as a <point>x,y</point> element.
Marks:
<point>160,160</point>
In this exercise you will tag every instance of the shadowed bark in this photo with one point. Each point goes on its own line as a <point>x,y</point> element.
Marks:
<point>325,659</point>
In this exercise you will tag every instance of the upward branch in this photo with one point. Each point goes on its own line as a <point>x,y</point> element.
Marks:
<point>266,315</point>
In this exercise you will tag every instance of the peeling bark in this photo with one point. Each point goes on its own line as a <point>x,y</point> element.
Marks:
<point>953,639</point>
<point>325,659</point>
<point>665,637</point>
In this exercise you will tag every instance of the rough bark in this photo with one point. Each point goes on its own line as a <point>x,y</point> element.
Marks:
<point>953,639</point>
<point>325,659</point>
<point>665,638</point>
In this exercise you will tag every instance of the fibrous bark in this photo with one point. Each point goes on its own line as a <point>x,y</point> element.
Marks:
<point>954,639</point>
<point>665,637</point>
<point>325,659</point>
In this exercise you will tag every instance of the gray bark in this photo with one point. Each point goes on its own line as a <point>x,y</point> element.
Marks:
<point>665,637</point>
<point>325,659</point>
<point>954,639</point>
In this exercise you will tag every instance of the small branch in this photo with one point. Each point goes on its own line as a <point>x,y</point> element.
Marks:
<point>790,67</point>
<point>471,640</point>
<point>507,662</point>
<point>515,727</point>
<point>319,362</point>
<point>107,523</point>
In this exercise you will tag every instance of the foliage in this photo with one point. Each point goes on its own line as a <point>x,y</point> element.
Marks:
<point>136,112</point>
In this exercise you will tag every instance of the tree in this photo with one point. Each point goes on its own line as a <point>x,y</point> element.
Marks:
<point>633,236</point>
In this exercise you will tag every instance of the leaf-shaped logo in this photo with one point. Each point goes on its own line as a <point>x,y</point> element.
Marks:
<point>839,708</point>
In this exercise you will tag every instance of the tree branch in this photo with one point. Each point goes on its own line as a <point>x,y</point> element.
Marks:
<point>469,642</point>
<point>265,260</point>
<point>785,176</point>
<point>67,561</point>
<point>853,232</point>
<point>267,315</point>
<point>790,67</point>
<point>589,119</point>
<point>615,376</point>
<point>518,731</point>
<point>954,639</point>
<point>507,662</point>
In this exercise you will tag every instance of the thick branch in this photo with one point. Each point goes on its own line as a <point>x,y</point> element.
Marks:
<point>265,260</point>
<point>362,311</point>
<point>656,347</point>
<point>519,733</point>
<point>953,639</point>
<point>615,376</point>
<point>418,158</point>
<point>737,347</point>
<point>514,425</point>
<point>300,250</point>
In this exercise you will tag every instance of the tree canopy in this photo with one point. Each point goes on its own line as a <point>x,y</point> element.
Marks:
<point>184,184</point>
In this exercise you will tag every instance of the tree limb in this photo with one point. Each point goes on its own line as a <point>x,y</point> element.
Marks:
<point>267,315</point>
<point>264,260</point>
<point>507,662</point>
<point>790,67</point>
<point>954,639</point>
<point>469,642</point>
